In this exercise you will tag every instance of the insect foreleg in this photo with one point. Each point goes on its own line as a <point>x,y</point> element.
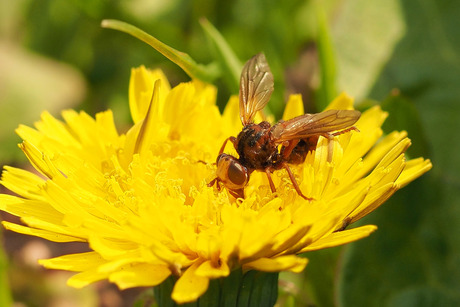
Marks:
<point>237,193</point>
<point>214,181</point>
<point>231,139</point>
<point>270,181</point>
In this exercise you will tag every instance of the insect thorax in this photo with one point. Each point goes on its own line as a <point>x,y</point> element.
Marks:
<point>255,148</point>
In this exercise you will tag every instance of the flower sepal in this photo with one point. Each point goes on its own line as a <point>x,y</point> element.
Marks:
<point>239,289</point>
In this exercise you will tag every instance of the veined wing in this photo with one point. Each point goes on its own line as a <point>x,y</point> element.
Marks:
<point>256,87</point>
<point>314,124</point>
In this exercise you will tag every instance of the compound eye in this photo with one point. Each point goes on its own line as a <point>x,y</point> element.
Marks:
<point>237,174</point>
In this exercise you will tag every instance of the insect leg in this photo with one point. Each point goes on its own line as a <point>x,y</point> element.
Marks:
<point>237,193</point>
<point>216,181</point>
<point>352,128</point>
<point>231,139</point>
<point>330,150</point>
<point>294,182</point>
<point>330,137</point>
<point>270,181</point>
<point>287,149</point>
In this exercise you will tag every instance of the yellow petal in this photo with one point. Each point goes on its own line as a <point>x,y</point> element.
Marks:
<point>380,150</point>
<point>294,107</point>
<point>210,270</point>
<point>74,262</point>
<point>50,126</point>
<point>149,127</point>
<point>189,287</point>
<point>85,278</point>
<point>412,170</point>
<point>40,210</point>
<point>45,234</point>
<point>341,102</point>
<point>288,238</point>
<point>372,201</point>
<point>141,89</point>
<point>283,263</point>
<point>140,275</point>
<point>21,182</point>
<point>341,237</point>
<point>39,160</point>
<point>110,248</point>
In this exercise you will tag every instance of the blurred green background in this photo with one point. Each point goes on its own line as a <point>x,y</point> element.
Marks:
<point>404,55</point>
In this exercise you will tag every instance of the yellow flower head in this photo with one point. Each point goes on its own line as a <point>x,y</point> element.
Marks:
<point>141,199</point>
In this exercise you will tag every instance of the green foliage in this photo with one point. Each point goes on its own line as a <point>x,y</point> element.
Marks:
<point>413,259</point>
<point>405,116</point>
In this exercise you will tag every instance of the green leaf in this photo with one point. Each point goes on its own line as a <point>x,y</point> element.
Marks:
<point>183,60</point>
<point>328,90</point>
<point>364,36</point>
<point>413,259</point>
<point>229,62</point>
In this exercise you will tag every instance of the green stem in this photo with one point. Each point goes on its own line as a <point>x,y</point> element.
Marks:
<point>183,60</point>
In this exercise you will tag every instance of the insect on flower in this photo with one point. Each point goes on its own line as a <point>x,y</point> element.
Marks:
<point>267,148</point>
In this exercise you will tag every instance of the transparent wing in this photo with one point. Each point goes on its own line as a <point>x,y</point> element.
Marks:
<point>314,124</point>
<point>256,87</point>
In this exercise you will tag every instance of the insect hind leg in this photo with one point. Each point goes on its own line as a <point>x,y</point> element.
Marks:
<point>352,128</point>
<point>330,137</point>
<point>294,183</point>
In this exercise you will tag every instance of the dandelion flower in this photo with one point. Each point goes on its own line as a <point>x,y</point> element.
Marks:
<point>141,200</point>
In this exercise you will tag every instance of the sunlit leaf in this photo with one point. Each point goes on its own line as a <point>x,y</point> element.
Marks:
<point>364,35</point>
<point>183,60</point>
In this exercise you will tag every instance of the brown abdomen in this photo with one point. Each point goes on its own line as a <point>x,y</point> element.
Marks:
<point>299,153</point>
